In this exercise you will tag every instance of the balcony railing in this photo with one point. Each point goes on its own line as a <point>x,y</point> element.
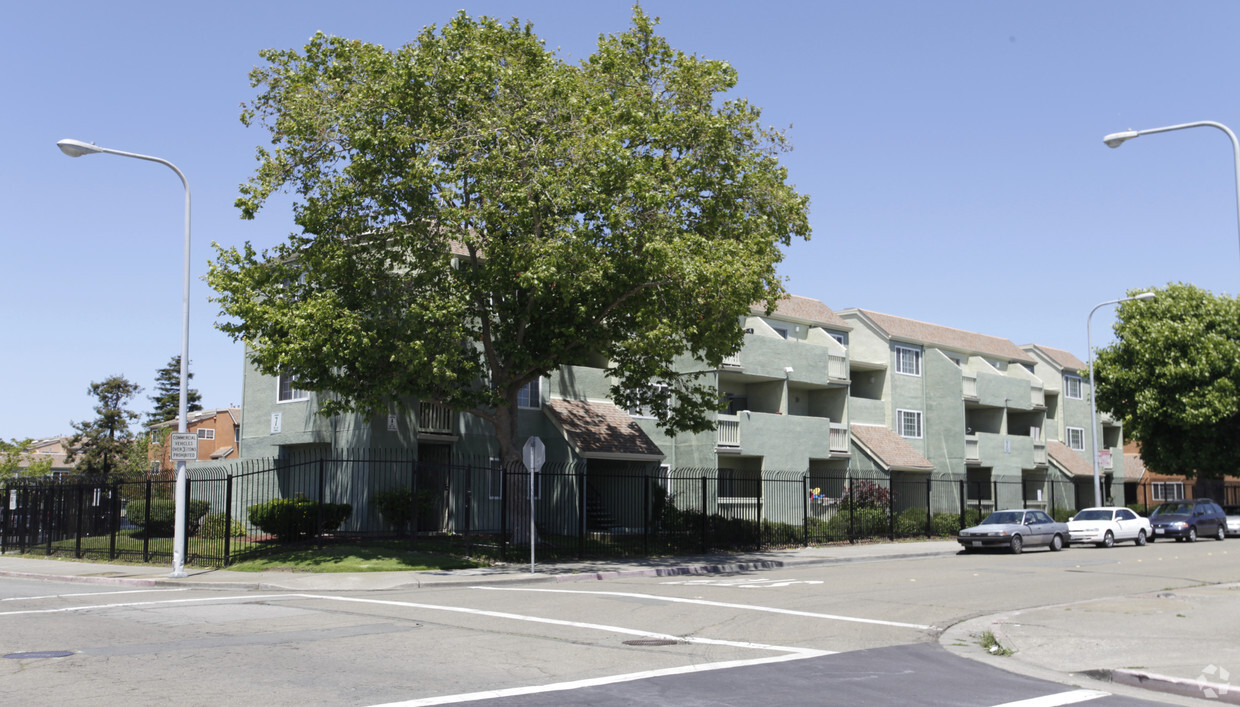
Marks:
<point>434,418</point>
<point>729,431</point>
<point>837,367</point>
<point>839,437</point>
<point>733,361</point>
<point>970,386</point>
<point>1039,453</point>
<point>1039,396</point>
<point>972,449</point>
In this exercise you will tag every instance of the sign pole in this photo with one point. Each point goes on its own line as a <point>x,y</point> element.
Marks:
<point>534,454</point>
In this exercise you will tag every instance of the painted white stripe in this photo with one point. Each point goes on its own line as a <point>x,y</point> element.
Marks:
<point>593,682</point>
<point>122,605</point>
<point>94,594</point>
<point>726,605</point>
<point>1061,698</point>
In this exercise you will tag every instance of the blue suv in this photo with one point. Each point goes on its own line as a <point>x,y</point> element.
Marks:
<point>1185,520</point>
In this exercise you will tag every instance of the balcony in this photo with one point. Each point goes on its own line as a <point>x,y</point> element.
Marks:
<point>434,418</point>
<point>839,438</point>
<point>970,386</point>
<point>729,432</point>
<point>837,367</point>
<point>770,434</point>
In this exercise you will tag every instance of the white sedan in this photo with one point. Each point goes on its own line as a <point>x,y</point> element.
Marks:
<point>1106,526</point>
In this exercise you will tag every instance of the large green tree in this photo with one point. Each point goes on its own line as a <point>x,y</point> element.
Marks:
<point>103,444</point>
<point>475,212</point>
<point>1173,373</point>
<point>167,397</point>
<point>16,460</point>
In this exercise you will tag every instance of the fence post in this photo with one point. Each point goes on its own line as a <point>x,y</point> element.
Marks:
<point>146,525</point>
<point>318,509</point>
<point>929,511</point>
<point>805,511</point>
<point>469,508</point>
<point>49,513</point>
<point>962,502</point>
<point>852,515</point>
<point>185,530</point>
<point>891,510</point>
<point>704,519</point>
<point>503,510</point>
<point>413,503</point>
<point>228,516</point>
<point>994,494</point>
<point>77,524</point>
<point>4,520</point>
<point>114,519</point>
<point>646,514</point>
<point>581,512</point>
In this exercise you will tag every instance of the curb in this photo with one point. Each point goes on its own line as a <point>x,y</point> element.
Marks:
<point>1199,689</point>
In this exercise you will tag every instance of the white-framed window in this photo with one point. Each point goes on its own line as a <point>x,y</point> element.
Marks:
<point>530,395</point>
<point>1072,387</point>
<point>1076,438</point>
<point>908,423</point>
<point>204,433</point>
<point>289,391</point>
<point>1167,490</point>
<point>908,361</point>
<point>838,337</point>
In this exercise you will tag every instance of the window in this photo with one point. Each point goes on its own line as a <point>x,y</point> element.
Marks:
<point>1072,387</point>
<point>782,331</point>
<point>908,361</point>
<point>495,480</point>
<point>1168,490</point>
<point>908,423</point>
<point>838,337</point>
<point>530,395</point>
<point>734,483</point>
<point>997,364</point>
<point>1076,438</point>
<point>289,391</point>
<point>204,433</point>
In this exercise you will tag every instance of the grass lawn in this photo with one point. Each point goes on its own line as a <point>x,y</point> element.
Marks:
<point>372,556</point>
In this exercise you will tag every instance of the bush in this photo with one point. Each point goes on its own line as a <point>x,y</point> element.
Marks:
<point>394,506</point>
<point>1061,515</point>
<point>911,522</point>
<point>214,527</point>
<point>865,494</point>
<point>864,522</point>
<point>945,525</point>
<point>163,516</point>
<point>292,518</point>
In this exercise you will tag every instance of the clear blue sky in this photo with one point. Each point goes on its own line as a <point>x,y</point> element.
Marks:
<point>952,151</point>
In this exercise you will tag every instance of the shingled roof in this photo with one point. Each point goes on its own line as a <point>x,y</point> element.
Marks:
<point>1068,460</point>
<point>1064,359</point>
<point>600,430</point>
<point>934,334</point>
<point>804,309</point>
<point>889,449</point>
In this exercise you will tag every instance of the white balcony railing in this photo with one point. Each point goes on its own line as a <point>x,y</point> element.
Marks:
<point>970,386</point>
<point>972,449</point>
<point>839,437</point>
<point>434,418</point>
<point>1039,453</point>
<point>733,361</point>
<point>837,367</point>
<point>1039,395</point>
<point>729,431</point>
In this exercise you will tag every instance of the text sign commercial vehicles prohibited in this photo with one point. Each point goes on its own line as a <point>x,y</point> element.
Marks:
<point>184,446</point>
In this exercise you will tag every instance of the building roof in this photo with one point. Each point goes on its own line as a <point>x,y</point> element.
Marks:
<point>1134,467</point>
<point>600,430</point>
<point>1068,460</point>
<point>804,309</point>
<point>200,415</point>
<point>934,334</point>
<point>889,449</point>
<point>1064,359</point>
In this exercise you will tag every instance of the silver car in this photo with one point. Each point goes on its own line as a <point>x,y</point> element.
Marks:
<point>1015,529</point>
<point>1233,520</point>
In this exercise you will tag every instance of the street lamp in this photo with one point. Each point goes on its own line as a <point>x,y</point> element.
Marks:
<point>77,148</point>
<point>1117,139</point>
<point>1093,396</point>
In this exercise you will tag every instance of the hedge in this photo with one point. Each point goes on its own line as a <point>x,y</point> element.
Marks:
<point>292,518</point>
<point>163,516</point>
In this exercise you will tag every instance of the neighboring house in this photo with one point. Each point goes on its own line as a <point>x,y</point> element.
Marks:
<point>55,448</point>
<point>1068,422</point>
<point>1148,488</point>
<point>218,436</point>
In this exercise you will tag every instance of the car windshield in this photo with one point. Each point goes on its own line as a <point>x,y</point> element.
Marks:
<point>1004,518</point>
<point>1095,514</point>
<point>1173,508</point>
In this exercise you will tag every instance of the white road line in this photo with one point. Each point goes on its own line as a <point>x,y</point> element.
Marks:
<point>726,605</point>
<point>94,594</point>
<point>1061,698</point>
<point>122,605</point>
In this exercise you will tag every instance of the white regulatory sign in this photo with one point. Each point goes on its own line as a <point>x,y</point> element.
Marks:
<point>184,446</point>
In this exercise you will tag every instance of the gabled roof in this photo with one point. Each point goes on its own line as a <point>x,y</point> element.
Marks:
<point>889,449</point>
<point>1064,359</point>
<point>600,430</point>
<point>1067,460</point>
<point>805,309</point>
<point>922,332</point>
<point>200,415</point>
<point>1134,467</point>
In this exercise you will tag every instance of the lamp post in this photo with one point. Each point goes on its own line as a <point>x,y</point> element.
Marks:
<point>1117,139</point>
<point>1093,396</point>
<point>77,148</point>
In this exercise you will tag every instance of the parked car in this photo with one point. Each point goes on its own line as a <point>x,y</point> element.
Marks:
<point>1015,529</point>
<point>1186,520</point>
<point>1108,525</point>
<point>1233,520</point>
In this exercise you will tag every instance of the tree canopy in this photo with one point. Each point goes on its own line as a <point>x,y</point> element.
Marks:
<point>1174,375</point>
<point>104,444</point>
<point>17,460</point>
<point>476,212</point>
<point>167,398</point>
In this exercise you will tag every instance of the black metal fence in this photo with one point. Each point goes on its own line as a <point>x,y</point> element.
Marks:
<point>574,510</point>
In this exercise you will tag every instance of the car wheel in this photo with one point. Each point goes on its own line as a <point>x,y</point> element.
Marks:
<point>1108,540</point>
<point>1192,535</point>
<point>1057,543</point>
<point>1018,544</point>
<point>1140,538</point>
<point>1220,533</point>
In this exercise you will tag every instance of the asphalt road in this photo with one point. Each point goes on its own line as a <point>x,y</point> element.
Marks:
<point>859,633</point>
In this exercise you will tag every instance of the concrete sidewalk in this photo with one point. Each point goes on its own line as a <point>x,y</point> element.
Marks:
<point>1147,641</point>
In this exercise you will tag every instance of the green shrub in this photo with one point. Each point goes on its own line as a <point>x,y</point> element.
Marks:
<point>214,527</point>
<point>863,522</point>
<point>291,518</point>
<point>945,525</point>
<point>163,516</point>
<point>394,506</point>
<point>911,522</point>
<point>1062,515</point>
<point>972,517</point>
<point>862,493</point>
<point>1140,509</point>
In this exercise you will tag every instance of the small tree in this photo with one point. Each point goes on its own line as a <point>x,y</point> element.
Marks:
<point>12,455</point>
<point>104,444</point>
<point>167,397</point>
